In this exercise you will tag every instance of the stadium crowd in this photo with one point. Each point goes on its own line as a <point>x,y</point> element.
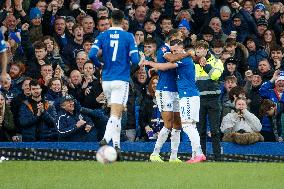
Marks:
<point>54,93</point>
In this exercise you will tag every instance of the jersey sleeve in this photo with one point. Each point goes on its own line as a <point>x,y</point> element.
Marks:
<point>2,43</point>
<point>133,50</point>
<point>94,50</point>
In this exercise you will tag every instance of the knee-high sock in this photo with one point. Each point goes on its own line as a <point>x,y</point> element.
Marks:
<point>111,124</point>
<point>162,137</point>
<point>192,133</point>
<point>116,134</point>
<point>175,140</point>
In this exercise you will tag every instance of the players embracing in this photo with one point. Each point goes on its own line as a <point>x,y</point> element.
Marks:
<point>189,100</point>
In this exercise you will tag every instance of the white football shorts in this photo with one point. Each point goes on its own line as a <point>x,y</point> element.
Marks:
<point>189,109</point>
<point>167,101</point>
<point>116,92</point>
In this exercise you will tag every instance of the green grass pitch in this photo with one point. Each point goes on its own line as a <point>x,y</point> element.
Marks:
<point>136,175</point>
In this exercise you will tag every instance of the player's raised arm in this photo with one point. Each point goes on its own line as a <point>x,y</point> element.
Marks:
<point>176,57</point>
<point>160,66</point>
<point>133,50</point>
<point>94,52</point>
<point>3,54</point>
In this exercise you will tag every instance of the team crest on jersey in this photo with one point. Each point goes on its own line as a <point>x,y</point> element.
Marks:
<point>164,49</point>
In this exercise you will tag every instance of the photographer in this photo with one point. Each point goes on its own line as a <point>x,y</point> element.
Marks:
<point>241,126</point>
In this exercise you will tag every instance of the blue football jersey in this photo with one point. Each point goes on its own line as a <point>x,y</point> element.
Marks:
<point>186,78</point>
<point>2,42</point>
<point>167,79</point>
<point>118,49</point>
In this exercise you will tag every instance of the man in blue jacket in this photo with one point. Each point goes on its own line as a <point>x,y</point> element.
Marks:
<point>73,126</point>
<point>37,117</point>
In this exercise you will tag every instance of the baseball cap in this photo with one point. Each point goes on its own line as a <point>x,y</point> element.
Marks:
<point>66,98</point>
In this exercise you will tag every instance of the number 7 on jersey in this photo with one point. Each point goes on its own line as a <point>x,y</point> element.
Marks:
<point>114,44</point>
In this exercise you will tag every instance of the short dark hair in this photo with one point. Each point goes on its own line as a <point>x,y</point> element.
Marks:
<point>101,18</point>
<point>77,25</point>
<point>202,43</point>
<point>230,42</point>
<point>236,91</point>
<point>276,48</point>
<point>150,40</point>
<point>117,16</point>
<point>40,45</point>
<point>34,82</point>
<point>218,43</point>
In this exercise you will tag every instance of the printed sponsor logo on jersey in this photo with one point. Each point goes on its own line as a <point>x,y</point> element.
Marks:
<point>169,105</point>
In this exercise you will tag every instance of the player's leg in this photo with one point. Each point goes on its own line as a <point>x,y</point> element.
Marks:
<point>189,117</point>
<point>165,104</point>
<point>119,97</point>
<point>108,132</point>
<point>175,134</point>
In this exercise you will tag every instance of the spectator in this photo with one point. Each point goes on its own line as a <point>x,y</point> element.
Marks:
<point>271,128</point>
<point>70,22</point>
<point>241,126</point>
<point>37,117</point>
<point>226,21</point>
<point>103,24</point>
<point>139,19</point>
<point>81,59</point>
<point>239,52</point>
<point>252,86</point>
<point>73,126</point>
<point>7,90</point>
<point>75,85</point>
<point>256,52</point>
<point>276,57</point>
<point>54,92</point>
<point>230,69</point>
<point>73,47</point>
<point>7,127</point>
<point>216,25</point>
<point>18,101</point>
<point>269,40</point>
<point>265,70</point>
<point>218,48</point>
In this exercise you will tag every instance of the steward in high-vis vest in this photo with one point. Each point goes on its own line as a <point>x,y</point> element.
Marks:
<point>208,71</point>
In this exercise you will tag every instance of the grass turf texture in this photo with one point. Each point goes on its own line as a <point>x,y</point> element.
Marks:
<point>88,174</point>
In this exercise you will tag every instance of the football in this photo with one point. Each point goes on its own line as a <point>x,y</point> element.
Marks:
<point>106,154</point>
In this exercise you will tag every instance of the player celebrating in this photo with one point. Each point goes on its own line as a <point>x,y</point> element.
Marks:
<point>118,48</point>
<point>189,100</point>
<point>3,54</point>
<point>167,101</point>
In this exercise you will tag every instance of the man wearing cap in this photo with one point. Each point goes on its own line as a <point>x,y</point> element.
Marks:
<point>72,126</point>
<point>259,11</point>
<point>252,86</point>
<point>262,25</point>
<point>273,90</point>
<point>35,29</point>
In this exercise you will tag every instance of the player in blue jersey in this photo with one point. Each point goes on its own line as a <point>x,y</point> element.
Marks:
<point>3,54</point>
<point>167,101</point>
<point>189,100</point>
<point>118,49</point>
